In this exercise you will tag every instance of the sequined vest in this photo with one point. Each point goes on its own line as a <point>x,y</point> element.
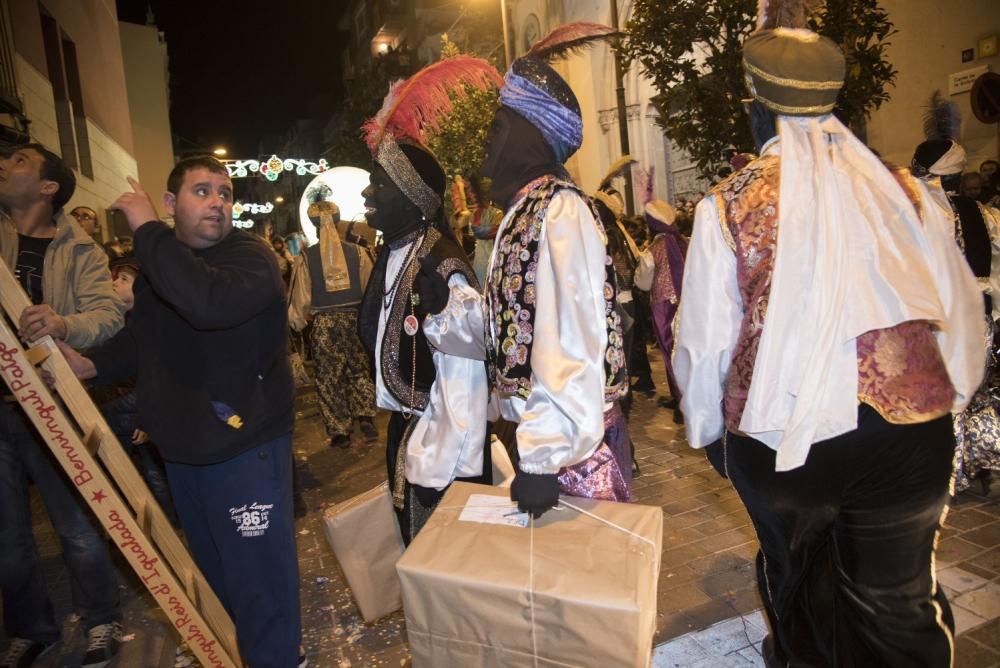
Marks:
<point>901,373</point>
<point>510,297</point>
<point>407,362</point>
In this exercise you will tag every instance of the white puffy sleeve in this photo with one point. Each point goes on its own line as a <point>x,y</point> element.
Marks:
<point>962,334</point>
<point>992,218</point>
<point>459,329</point>
<point>447,442</point>
<point>646,270</point>
<point>562,421</point>
<point>708,326</point>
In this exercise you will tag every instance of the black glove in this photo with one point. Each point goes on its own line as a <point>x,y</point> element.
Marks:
<point>427,496</point>
<point>431,288</point>
<point>716,453</point>
<point>535,492</point>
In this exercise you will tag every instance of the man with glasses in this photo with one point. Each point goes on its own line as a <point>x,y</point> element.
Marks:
<point>87,219</point>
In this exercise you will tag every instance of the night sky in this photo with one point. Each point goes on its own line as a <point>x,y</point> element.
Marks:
<point>243,70</point>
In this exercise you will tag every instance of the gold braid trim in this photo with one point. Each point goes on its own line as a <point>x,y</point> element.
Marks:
<point>399,480</point>
<point>792,83</point>
<point>786,109</point>
<point>727,234</point>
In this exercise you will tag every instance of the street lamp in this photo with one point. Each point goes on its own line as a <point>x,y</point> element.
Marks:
<point>220,151</point>
<point>507,51</point>
<point>622,112</point>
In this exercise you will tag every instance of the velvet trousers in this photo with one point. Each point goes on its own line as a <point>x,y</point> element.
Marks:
<point>845,568</point>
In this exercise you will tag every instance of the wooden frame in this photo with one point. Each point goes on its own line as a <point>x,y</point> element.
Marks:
<point>115,492</point>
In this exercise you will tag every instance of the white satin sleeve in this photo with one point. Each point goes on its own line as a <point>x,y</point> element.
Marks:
<point>447,441</point>
<point>708,326</point>
<point>960,337</point>
<point>646,270</point>
<point>562,420</point>
<point>459,329</point>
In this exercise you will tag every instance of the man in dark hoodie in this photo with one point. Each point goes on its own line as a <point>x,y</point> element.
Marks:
<point>207,346</point>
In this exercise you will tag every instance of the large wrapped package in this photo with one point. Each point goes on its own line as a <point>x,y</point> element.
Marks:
<point>483,585</point>
<point>365,537</point>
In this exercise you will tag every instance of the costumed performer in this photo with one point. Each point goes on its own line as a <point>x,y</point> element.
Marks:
<point>828,328</point>
<point>552,331</point>
<point>437,431</point>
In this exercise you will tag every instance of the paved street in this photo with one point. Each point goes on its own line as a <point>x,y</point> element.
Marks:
<point>707,599</point>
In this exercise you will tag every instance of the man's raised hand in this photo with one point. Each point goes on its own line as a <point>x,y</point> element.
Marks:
<point>136,205</point>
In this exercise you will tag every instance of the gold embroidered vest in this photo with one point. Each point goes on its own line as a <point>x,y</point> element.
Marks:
<point>901,373</point>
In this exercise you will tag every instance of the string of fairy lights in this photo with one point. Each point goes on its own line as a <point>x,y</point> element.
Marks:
<point>271,169</point>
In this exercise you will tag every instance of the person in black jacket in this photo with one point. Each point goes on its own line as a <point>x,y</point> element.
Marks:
<point>207,346</point>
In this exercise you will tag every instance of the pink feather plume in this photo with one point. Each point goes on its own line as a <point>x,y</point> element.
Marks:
<point>565,39</point>
<point>415,107</point>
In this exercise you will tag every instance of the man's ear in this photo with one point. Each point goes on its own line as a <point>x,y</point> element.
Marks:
<point>48,188</point>
<point>170,202</point>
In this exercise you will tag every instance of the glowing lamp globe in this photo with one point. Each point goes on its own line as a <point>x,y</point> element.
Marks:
<point>340,185</point>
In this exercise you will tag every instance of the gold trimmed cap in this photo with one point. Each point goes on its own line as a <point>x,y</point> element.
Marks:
<point>794,72</point>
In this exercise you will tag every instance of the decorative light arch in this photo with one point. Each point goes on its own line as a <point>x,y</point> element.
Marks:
<point>272,168</point>
<point>239,208</point>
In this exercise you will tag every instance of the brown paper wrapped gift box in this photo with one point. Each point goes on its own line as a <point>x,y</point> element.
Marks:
<point>365,537</point>
<point>592,599</point>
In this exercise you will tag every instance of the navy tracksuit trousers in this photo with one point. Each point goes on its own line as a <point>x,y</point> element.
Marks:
<point>237,516</point>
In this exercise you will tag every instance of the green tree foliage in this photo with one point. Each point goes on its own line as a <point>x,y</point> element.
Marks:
<point>460,143</point>
<point>862,29</point>
<point>692,52</point>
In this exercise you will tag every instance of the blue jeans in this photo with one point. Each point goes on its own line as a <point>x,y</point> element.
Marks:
<point>237,516</point>
<point>27,610</point>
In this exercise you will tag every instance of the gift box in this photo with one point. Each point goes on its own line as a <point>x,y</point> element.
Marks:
<point>484,585</point>
<point>365,537</point>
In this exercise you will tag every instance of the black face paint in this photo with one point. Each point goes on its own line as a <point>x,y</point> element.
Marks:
<point>516,154</point>
<point>387,209</point>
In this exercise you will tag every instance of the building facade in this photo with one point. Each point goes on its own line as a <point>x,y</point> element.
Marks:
<point>927,50</point>
<point>69,80</point>
<point>147,78</point>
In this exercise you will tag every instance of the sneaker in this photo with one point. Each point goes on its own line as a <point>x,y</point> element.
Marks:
<point>369,430</point>
<point>184,658</point>
<point>103,642</point>
<point>22,653</point>
<point>340,441</point>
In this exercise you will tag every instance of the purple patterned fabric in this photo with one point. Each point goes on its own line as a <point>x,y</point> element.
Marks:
<point>669,249</point>
<point>606,474</point>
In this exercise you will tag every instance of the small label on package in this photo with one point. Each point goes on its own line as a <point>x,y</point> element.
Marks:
<point>487,509</point>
